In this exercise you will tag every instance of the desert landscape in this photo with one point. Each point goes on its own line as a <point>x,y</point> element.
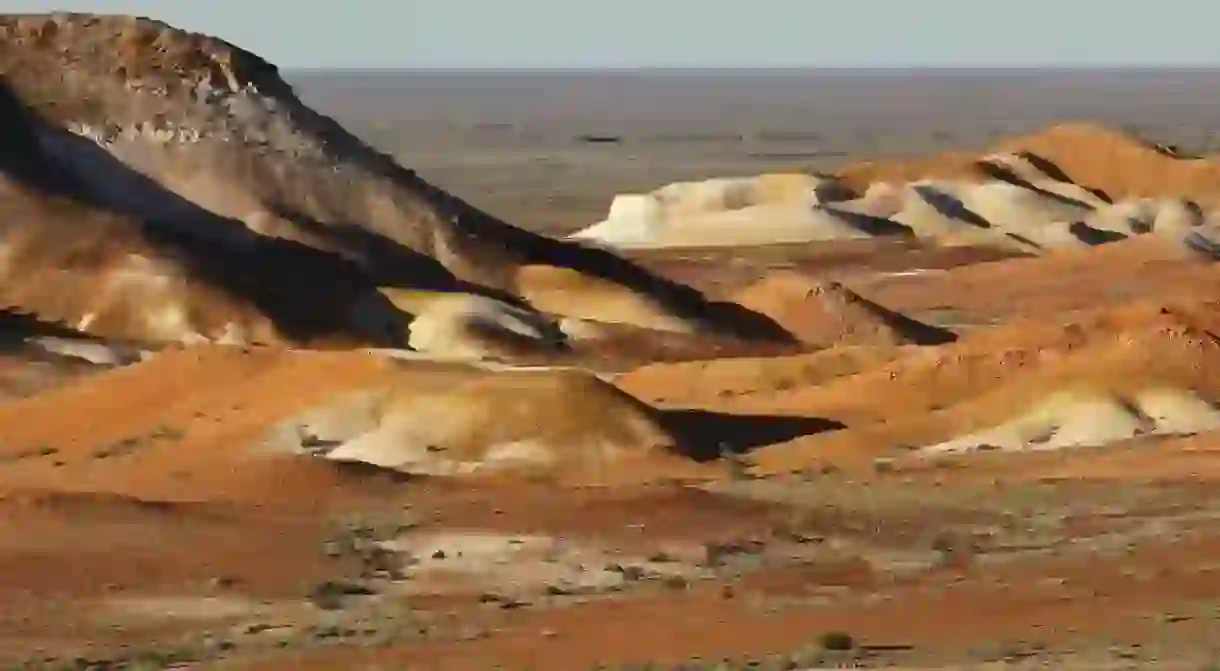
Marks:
<point>604,371</point>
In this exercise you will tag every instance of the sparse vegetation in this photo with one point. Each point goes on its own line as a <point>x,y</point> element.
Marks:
<point>132,444</point>
<point>333,595</point>
<point>31,453</point>
<point>837,641</point>
<point>120,448</point>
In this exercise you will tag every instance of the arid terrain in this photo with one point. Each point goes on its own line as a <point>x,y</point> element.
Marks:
<point>393,376</point>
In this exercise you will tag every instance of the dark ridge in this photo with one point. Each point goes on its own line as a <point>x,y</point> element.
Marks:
<point>1022,239</point>
<point>1094,236</point>
<point>1002,173</point>
<point>875,226</point>
<point>1045,166</point>
<point>1201,245</point>
<point>599,139</point>
<point>949,206</point>
<point>708,436</point>
<point>912,329</point>
<point>16,324</point>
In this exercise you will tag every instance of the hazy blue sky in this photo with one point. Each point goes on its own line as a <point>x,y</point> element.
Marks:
<point>681,33</point>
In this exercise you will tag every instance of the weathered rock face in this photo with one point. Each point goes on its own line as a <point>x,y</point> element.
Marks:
<point>171,125</point>
<point>207,140</point>
<point>104,273</point>
<point>70,259</point>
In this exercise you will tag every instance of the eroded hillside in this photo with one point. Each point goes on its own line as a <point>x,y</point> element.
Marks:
<point>207,141</point>
<point>269,400</point>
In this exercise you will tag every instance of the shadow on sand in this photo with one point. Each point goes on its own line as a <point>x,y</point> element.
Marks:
<point>949,206</point>
<point>1045,166</point>
<point>711,435</point>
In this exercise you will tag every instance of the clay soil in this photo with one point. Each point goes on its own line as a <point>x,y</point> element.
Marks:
<point>140,529</point>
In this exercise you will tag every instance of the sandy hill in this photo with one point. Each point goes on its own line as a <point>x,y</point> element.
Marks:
<point>1158,380</point>
<point>1004,205</point>
<point>1074,419</point>
<point>561,423</point>
<point>206,139</point>
<point>619,347</point>
<point>722,382</point>
<point>461,421</point>
<point>177,427</point>
<point>860,385</point>
<point>1111,164</point>
<point>216,422</point>
<point>830,378</point>
<point>1144,372</point>
<point>1105,376</point>
<point>1143,268</point>
<point>824,314</point>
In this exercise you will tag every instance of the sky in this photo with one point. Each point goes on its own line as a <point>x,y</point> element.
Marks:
<point>523,34</point>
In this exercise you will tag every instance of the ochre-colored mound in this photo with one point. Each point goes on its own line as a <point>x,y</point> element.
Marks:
<point>459,421</point>
<point>718,383</point>
<point>942,394</point>
<point>1066,420</point>
<point>1144,268</point>
<point>944,374</point>
<point>618,347</point>
<point>179,426</point>
<point>828,313</point>
<point>227,423</point>
<point>1089,155</point>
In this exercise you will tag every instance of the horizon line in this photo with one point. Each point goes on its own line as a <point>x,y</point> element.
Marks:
<point>1119,68</point>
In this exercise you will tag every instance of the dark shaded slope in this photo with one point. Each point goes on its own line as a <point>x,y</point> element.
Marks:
<point>218,127</point>
<point>62,247</point>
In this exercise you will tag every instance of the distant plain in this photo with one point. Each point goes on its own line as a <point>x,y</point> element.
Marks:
<point>548,150</point>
